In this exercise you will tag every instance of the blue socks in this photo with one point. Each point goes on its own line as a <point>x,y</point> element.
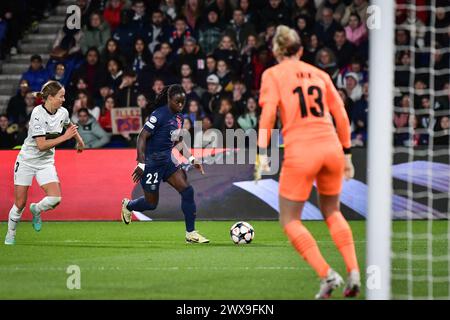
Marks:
<point>140,204</point>
<point>188,207</point>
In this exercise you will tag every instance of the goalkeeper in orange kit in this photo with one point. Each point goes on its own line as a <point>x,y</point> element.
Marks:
<point>314,150</point>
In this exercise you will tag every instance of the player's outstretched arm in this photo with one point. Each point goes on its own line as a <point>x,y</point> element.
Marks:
<point>44,144</point>
<point>141,144</point>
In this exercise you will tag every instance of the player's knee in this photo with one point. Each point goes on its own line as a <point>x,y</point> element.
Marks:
<point>188,194</point>
<point>54,201</point>
<point>20,205</point>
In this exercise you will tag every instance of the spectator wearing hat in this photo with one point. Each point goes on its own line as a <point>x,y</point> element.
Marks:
<point>239,30</point>
<point>211,98</point>
<point>36,75</point>
<point>355,66</point>
<point>210,32</point>
<point>352,87</point>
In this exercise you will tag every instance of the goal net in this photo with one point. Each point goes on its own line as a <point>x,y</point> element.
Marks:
<point>415,262</point>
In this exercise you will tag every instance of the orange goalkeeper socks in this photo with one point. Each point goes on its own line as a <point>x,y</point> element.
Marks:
<point>305,244</point>
<point>342,236</point>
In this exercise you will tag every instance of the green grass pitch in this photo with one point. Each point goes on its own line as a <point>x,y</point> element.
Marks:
<point>150,260</point>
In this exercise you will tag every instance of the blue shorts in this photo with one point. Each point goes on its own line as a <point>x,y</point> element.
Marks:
<point>155,172</point>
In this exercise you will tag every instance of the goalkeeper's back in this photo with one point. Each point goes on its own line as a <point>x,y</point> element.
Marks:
<point>305,96</point>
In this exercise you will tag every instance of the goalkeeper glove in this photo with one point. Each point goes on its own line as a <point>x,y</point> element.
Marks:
<point>349,171</point>
<point>261,166</point>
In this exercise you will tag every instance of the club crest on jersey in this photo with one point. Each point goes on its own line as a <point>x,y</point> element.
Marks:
<point>153,119</point>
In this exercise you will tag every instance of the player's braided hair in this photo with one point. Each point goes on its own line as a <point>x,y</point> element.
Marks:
<point>166,93</point>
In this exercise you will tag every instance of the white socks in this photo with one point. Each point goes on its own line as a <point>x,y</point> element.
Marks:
<point>45,204</point>
<point>14,217</point>
<point>48,203</point>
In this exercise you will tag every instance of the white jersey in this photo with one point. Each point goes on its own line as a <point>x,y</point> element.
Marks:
<point>42,124</point>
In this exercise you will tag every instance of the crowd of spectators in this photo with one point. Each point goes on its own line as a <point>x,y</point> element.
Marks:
<point>127,51</point>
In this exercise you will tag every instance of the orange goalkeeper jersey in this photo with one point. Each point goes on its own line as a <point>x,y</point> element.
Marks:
<point>305,96</point>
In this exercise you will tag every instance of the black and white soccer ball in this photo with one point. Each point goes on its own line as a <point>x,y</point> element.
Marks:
<point>242,232</point>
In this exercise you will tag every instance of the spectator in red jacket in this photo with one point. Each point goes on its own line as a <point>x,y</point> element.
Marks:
<point>112,13</point>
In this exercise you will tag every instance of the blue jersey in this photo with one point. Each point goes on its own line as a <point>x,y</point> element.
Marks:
<point>165,128</point>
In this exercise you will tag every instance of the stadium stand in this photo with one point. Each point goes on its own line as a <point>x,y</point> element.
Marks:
<point>126,49</point>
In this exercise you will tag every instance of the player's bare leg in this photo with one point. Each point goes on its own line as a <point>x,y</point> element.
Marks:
<point>20,201</point>
<point>49,202</point>
<point>148,202</point>
<point>306,246</point>
<point>342,236</point>
<point>178,180</point>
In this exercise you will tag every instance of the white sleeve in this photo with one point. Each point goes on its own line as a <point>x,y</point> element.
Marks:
<point>37,125</point>
<point>66,118</point>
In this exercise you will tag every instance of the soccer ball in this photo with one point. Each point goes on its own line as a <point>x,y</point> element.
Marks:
<point>242,232</point>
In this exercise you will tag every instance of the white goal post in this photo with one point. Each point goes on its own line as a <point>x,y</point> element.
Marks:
<point>380,150</point>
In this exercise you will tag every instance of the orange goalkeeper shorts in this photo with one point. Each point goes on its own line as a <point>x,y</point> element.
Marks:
<point>323,162</point>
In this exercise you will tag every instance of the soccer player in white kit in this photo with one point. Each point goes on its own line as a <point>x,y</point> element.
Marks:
<point>37,157</point>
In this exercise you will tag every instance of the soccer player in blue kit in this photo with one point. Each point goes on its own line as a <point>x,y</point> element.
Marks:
<point>160,134</point>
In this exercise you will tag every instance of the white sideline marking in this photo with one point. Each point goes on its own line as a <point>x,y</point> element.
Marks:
<point>141,217</point>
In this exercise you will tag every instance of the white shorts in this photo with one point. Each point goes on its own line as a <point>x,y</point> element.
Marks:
<point>23,174</point>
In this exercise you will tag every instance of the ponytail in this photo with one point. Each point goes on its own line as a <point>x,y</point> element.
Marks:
<point>38,95</point>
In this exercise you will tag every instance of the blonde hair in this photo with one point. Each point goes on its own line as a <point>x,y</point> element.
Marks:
<point>50,88</point>
<point>286,42</point>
